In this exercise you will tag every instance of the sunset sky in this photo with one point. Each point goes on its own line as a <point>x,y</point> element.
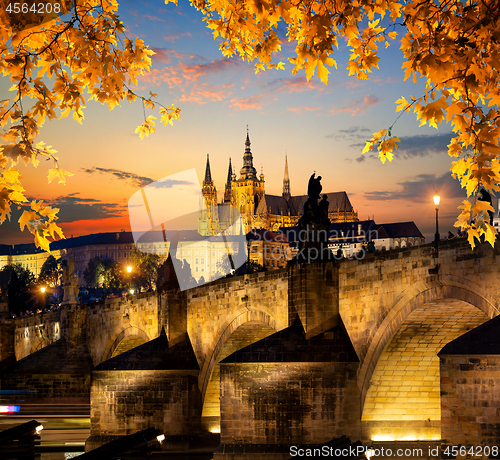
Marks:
<point>321,128</point>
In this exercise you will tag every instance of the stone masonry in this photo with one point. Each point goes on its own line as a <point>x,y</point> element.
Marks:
<point>371,299</point>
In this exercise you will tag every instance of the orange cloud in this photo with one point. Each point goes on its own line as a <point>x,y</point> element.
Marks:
<point>87,227</point>
<point>303,109</point>
<point>357,107</point>
<point>194,72</point>
<point>152,18</point>
<point>371,100</point>
<point>290,85</point>
<point>183,75</point>
<point>165,55</point>
<point>173,38</point>
<point>202,96</point>
<point>294,84</point>
<point>249,103</point>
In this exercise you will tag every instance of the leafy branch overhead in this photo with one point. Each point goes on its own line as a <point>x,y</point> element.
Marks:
<point>453,44</point>
<point>55,65</point>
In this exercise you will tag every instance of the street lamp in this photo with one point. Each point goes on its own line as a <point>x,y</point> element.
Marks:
<point>42,290</point>
<point>436,199</point>
<point>129,270</point>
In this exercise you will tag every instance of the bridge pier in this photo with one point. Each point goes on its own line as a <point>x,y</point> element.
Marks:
<point>288,390</point>
<point>152,385</point>
<point>7,342</point>
<point>313,293</point>
<point>74,324</point>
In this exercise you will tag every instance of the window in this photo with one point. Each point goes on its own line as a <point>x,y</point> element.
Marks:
<point>202,261</point>
<point>196,263</point>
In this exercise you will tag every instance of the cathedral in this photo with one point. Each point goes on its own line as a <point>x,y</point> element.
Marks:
<point>258,209</point>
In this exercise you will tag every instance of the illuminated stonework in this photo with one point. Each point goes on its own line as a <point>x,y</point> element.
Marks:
<point>245,335</point>
<point>405,387</point>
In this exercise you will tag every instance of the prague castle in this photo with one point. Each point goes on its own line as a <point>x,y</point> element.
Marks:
<point>260,210</point>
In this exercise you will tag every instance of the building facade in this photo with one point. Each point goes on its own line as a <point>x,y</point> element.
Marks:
<point>353,238</point>
<point>258,209</point>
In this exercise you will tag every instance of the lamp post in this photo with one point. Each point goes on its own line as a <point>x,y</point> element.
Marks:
<point>42,290</point>
<point>129,270</point>
<point>436,199</point>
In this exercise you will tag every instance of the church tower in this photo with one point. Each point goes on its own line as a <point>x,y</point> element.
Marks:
<point>227,190</point>
<point>248,190</point>
<point>286,182</point>
<point>248,171</point>
<point>209,221</point>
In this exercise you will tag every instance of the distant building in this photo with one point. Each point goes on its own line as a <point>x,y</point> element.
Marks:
<point>269,249</point>
<point>352,237</point>
<point>27,255</point>
<point>259,209</point>
<point>201,253</point>
<point>115,246</point>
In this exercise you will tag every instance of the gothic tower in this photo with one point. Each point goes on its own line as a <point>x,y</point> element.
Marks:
<point>209,221</point>
<point>248,190</point>
<point>286,182</point>
<point>227,190</point>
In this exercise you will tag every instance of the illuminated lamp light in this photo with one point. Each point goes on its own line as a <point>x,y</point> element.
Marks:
<point>215,429</point>
<point>9,409</point>
<point>383,437</point>
<point>38,429</point>
<point>369,453</point>
<point>411,437</point>
<point>160,438</point>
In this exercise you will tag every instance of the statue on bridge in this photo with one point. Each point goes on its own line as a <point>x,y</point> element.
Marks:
<point>314,187</point>
<point>314,224</point>
<point>70,283</point>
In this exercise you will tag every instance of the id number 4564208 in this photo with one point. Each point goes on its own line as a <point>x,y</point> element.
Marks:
<point>39,8</point>
<point>473,451</point>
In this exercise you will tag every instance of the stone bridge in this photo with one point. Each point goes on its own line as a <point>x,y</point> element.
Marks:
<point>331,348</point>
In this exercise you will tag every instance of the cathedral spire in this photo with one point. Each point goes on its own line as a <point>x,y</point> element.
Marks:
<point>229,172</point>
<point>208,174</point>
<point>248,171</point>
<point>286,181</point>
<point>227,191</point>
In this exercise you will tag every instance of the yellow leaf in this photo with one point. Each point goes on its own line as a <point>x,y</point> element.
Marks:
<point>323,72</point>
<point>59,174</point>
<point>368,147</point>
<point>490,234</point>
<point>481,206</point>
<point>471,234</point>
<point>403,104</point>
<point>27,216</point>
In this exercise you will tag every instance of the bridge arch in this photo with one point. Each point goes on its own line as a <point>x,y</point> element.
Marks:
<point>245,328</point>
<point>42,343</point>
<point>399,377</point>
<point>123,340</point>
<point>420,295</point>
